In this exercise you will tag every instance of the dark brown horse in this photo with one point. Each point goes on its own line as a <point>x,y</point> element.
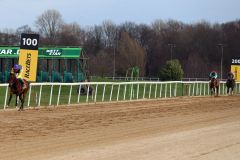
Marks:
<point>230,86</point>
<point>17,89</point>
<point>214,86</point>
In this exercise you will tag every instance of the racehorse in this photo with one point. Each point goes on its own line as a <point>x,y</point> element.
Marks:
<point>17,89</point>
<point>230,83</point>
<point>214,86</point>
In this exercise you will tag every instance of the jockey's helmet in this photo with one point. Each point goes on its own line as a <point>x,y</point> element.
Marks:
<point>17,67</point>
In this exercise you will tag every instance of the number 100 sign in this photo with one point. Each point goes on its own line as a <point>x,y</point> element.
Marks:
<point>29,41</point>
<point>28,56</point>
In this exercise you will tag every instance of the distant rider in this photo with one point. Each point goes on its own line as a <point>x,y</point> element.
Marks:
<point>17,69</point>
<point>230,76</point>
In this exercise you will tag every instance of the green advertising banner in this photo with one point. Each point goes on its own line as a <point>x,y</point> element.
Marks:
<point>58,53</point>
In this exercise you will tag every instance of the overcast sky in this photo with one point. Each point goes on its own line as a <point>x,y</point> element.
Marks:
<point>16,13</point>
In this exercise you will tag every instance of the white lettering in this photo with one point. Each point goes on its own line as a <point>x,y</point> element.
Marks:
<point>9,51</point>
<point>3,51</point>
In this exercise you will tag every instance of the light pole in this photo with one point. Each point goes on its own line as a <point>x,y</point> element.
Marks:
<point>221,46</point>
<point>171,45</point>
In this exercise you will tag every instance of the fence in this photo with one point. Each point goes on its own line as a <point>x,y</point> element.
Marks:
<point>55,94</point>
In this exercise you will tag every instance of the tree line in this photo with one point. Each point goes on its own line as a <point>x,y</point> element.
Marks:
<point>112,48</point>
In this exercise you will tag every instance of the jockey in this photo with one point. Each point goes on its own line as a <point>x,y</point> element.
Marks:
<point>230,75</point>
<point>213,74</point>
<point>17,69</point>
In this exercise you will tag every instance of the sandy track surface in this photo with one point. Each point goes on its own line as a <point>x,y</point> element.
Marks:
<point>201,128</point>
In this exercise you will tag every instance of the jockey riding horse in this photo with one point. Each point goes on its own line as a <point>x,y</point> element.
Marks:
<point>214,83</point>
<point>17,85</point>
<point>230,83</point>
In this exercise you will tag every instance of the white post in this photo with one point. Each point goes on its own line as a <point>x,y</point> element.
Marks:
<point>40,96</point>
<point>5,102</point>
<point>197,90</point>
<point>104,88</point>
<point>155,91</point>
<point>124,93</point>
<point>50,100</point>
<point>223,89</point>
<point>189,90</point>
<point>170,89</point>
<point>118,92</point>
<point>193,88</point>
<point>79,93</point>
<point>110,99</point>
<point>150,90</point>
<point>59,92</point>
<point>95,98</point>
<point>29,95</point>
<point>165,90</point>
<point>160,94</point>
<point>175,90</point>
<point>204,89</point>
<point>137,90</point>
<point>70,95</point>
<point>144,90</point>
<point>87,93</point>
<point>208,89</point>
<point>131,91</point>
<point>200,89</point>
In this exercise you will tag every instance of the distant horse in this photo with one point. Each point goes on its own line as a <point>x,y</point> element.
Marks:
<point>230,83</point>
<point>214,86</point>
<point>16,88</point>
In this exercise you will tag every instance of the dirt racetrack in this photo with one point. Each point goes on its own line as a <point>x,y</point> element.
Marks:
<point>200,128</point>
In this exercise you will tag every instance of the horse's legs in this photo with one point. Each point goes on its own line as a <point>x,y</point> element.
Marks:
<point>9,100</point>
<point>22,97</point>
<point>16,102</point>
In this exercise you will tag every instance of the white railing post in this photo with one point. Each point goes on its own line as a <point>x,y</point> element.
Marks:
<point>87,93</point>
<point>50,100</point>
<point>40,96</point>
<point>175,90</point>
<point>170,89</point>
<point>118,92</point>
<point>110,98</point>
<point>137,90</point>
<point>150,90</point>
<point>59,92</point>
<point>208,89</point>
<point>204,89</point>
<point>104,88</point>
<point>79,93</point>
<point>144,90</point>
<point>193,88</point>
<point>5,101</point>
<point>95,98</point>
<point>155,95</point>
<point>29,95</point>
<point>70,95</point>
<point>124,93</point>
<point>160,92</point>
<point>165,90</point>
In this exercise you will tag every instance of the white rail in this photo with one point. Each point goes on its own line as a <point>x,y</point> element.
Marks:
<point>44,94</point>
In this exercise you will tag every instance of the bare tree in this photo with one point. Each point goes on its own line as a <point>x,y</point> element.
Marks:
<point>49,24</point>
<point>110,33</point>
<point>71,35</point>
<point>131,54</point>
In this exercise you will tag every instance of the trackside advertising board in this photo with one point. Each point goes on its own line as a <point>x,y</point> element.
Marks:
<point>235,68</point>
<point>28,56</point>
